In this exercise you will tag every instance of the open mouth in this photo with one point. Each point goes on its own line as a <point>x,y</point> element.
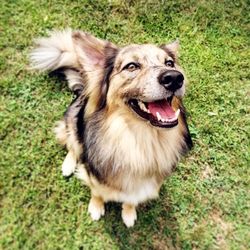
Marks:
<point>160,113</point>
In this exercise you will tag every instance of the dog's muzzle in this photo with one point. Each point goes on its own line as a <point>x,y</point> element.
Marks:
<point>160,112</point>
<point>172,80</point>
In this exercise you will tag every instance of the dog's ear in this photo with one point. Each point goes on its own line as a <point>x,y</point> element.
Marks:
<point>96,58</point>
<point>172,48</point>
<point>91,51</point>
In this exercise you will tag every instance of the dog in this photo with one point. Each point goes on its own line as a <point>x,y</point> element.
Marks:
<point>126,129</point>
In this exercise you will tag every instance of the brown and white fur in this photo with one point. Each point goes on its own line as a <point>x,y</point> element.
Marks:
<point>122,153</point>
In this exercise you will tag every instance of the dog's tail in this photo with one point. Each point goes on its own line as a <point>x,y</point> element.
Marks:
<point>55,52</point>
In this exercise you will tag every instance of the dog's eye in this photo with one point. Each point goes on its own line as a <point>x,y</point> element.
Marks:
<point>169,63</point>
<point>131,67</point>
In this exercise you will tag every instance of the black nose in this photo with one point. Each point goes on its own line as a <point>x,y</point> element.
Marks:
<point>171,79</point>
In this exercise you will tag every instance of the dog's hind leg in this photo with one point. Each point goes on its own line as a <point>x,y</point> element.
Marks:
<point>96,207</point>
<point>129,215</point>
<point>69,164</point>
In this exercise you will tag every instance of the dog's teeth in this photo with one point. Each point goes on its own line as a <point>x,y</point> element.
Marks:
<point>158,116</point>
<point>177,112</point>
<point>142,107</point>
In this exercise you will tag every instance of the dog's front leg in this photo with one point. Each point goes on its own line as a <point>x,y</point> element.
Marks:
<point>96,207</point>
<point>129,215</point>
<point>69,164</point>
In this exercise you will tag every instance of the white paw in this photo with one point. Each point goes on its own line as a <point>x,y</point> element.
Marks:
<point>68,166</point>
<point>96,210</point>
<point>129,217</point>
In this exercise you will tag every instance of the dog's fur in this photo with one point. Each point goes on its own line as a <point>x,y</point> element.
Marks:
<point>118,154</point>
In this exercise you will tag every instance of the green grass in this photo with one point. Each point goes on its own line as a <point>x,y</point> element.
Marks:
<point>203,205</point>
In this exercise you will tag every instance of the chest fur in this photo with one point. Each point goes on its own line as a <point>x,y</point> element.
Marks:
<point>117,148</point>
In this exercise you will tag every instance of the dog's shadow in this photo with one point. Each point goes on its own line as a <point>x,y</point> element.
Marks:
<point>58,81</point>
<point>156,226</point>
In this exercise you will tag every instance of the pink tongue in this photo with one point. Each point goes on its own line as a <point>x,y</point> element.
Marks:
<point>163,108</point>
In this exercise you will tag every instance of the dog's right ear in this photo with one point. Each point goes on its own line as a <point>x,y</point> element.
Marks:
<point>92,52</point>
<point>96,57</point>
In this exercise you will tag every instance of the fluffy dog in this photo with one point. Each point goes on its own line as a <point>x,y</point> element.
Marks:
<point>126,129</point>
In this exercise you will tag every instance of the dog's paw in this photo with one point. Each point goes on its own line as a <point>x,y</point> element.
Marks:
<point>96,208</point>
<point>129,215</point>
<point>67,171</point>
<point>68,166</point>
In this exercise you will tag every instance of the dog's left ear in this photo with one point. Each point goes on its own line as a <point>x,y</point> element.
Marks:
<point>172,48</point>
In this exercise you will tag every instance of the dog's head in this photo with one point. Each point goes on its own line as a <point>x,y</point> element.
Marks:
<point>144,80</point>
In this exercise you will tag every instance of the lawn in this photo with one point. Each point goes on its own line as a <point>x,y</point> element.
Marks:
<point>203,205</point>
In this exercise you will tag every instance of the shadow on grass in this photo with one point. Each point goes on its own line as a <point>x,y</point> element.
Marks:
<point>58,81</point>
<point>156,226</point>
